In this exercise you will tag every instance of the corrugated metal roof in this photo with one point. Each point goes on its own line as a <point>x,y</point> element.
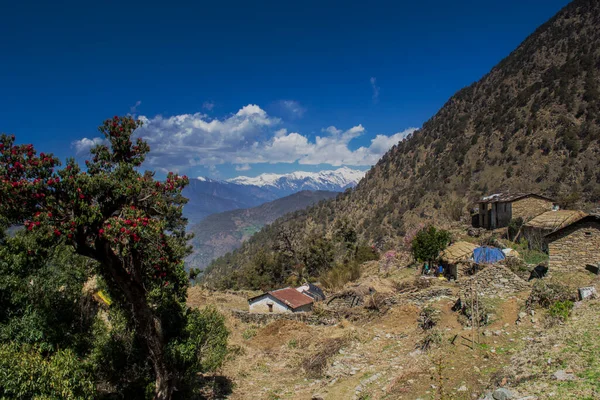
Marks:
<point>291,297</point>
<point>288,296</point>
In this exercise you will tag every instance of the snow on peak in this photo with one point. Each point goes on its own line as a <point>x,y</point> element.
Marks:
<point>334,180</point>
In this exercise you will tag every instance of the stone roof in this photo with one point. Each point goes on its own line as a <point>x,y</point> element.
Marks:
<point>508,197</point>
<point>589,218</point>
<point>553,220</point>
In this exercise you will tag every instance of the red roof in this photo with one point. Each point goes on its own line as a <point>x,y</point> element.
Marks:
<point>291,297</point>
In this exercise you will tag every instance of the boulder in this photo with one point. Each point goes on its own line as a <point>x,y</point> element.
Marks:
<point>502,394</point>
<point>587,293</point>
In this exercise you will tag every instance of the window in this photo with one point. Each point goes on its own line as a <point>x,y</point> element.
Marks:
<point>270,307</point>
<point>588,233</point>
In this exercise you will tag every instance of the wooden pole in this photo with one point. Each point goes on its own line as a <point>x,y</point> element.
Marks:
<point>472,316</point>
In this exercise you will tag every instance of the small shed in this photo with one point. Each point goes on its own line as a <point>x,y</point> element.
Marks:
<point>287,300</point>
<point>497,210</point>
<point>456,258</point>
<point>459,251</point>
<point>576,245</point>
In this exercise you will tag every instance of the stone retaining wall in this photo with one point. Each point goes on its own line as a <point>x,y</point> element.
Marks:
<point>493,281</point>
<point>263,319</point>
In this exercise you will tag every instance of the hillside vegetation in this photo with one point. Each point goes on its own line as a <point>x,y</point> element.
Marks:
<point>531,124</point>
<point>221,233</point>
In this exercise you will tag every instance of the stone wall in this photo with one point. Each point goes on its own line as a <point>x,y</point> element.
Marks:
<point>493,281</point>
<point>575,246</point>
<point>265,318</point>
<point>345,300</point>
<point>530,207</point>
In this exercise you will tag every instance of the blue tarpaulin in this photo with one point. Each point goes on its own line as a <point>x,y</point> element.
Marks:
<point>487,255</point>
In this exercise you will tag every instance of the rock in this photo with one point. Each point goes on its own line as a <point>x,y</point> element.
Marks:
<point>497,333</point>
<point>587,293</point>
<point>487,333</point>
<point>463,388</point>
<point>562,375</point>
<point>502,394</point>
<point>317,397</point>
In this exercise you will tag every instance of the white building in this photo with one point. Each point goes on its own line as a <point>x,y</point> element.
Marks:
<point>287,300</point>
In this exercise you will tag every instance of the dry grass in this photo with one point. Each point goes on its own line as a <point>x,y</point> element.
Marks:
<point>572,347</point>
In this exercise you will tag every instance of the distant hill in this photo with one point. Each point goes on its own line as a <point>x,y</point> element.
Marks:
<point>208,196</point>
<point>221,233</point>
<point>532,124</point>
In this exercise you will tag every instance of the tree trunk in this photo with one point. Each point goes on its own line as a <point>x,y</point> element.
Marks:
<point>148,327</point>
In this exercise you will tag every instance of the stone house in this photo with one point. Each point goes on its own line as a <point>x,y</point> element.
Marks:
<point>544,224</point>
<point>497,210</point>
<point>287,300</point>
<point>576,245</point>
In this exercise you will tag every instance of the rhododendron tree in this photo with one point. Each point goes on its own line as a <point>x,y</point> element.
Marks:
<point>129,222</point>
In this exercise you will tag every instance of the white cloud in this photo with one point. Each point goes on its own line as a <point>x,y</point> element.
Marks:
<point>84,145</point>
<point>244,167</point>
<point>375,89</point>
<point>208,105</point>
<point>247,137</point>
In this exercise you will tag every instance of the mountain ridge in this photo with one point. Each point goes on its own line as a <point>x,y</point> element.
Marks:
<point>532,124</point>
<point>209,196</point>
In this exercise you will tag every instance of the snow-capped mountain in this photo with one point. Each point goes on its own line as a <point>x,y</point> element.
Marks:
<point>208,196</point>
<point>284,184</point>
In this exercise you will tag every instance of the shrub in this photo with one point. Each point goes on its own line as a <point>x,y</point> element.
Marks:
<point>429,242</point>
<point>433,338</point>
<point>203,347</point>
<point>25,373</point>
<point>339,275</point>
<point>534,257</point>
<point>545,294</point>
<point>365,253</point>
<point>561,310</point>
<point>484,309</point>
<point>428,318</point>
<point>314,365</point>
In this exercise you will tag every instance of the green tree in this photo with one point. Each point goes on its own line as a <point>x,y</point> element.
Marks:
<point>429,242</point>
<point>128,222</point>
<point>319,256</point>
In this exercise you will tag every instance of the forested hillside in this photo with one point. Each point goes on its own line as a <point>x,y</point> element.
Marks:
<point>531,124</point>
<point>220,233</point>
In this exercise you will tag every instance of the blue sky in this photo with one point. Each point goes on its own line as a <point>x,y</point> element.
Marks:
<point>230,88</point>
